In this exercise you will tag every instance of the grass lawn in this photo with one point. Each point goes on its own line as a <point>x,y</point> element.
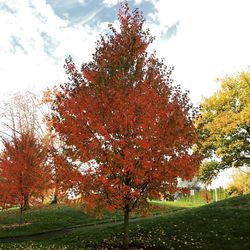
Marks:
<point>221,225</point>
<point>37,220</point>
<point>53,217</point>
<point>178,204</point>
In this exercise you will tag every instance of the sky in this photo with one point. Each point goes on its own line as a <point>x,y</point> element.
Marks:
<point>203,39</point>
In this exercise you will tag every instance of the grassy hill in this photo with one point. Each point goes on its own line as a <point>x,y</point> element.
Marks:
<point>221,225</point>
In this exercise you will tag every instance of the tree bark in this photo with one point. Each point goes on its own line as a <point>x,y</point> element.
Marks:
<point>55,196</point>
<point>21,214</point>
<point>125,228</point>
<point>26,204</point>
<point>206,195</point>
<point>54,200</point>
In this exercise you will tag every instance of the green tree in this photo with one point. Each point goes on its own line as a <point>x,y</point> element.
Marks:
<point>224,126</point>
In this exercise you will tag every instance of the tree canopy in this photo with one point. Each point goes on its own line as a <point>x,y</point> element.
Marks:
<point>240,182</point>
<point>224,126</point>
<point>23,161</point>
<point>124,123</point>
<point>21,113</point>
<point>23,169</point>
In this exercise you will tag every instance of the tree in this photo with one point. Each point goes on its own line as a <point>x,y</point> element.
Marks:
<point>240,183</point>
<point>21,112</point>
<point>206,175</point>
<point>57,156</point>
<point>125,125</point>
<point>60,169</point>
<point>25,113</point>
<point>23,170</point>
<point>224,125</point>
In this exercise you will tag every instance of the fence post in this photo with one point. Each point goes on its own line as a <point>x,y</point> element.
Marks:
<point>215,194</point>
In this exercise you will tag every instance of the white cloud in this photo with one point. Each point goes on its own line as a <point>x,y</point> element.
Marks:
<point>138,1</point>
<point>65,4</point>
<point>110,3</point>
<point>212,40</point>
<point>34,43</point>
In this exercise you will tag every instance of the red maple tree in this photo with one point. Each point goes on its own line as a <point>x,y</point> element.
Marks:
<point>123,118</point>
<point>62,179</point>
<point>23,170</point>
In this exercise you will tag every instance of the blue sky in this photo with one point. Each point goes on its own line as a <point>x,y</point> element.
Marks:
<point>92,12</point>
<point>202,39</point>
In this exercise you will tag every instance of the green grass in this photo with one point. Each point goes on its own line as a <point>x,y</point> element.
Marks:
<point>37,220</point>
<point>47,218</point>
<point>178,204</point>
<point>221,225</point>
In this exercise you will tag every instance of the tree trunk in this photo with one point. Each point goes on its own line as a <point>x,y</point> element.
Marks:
<point>126,235</point>
<point>54,200</point>
<point>26,204</point>
<point>21,214</point>
<point>42,198</point>
<point>206,195</point>
<point>55,196</point>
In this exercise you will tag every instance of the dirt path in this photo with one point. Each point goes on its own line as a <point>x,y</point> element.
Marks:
<point>60,232</point>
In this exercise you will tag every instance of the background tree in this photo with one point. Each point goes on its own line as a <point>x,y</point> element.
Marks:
<point>240,183</point>
<point>57,155</point>
<point>23,169</point>
<point>25,113</point>
<point>206,175</point>
<point>224,125</point>
<point>60,170</point>
<point>21,112</point>
<point>125,125</point>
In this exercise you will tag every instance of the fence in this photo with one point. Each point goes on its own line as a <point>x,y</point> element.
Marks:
<point>200,195</point>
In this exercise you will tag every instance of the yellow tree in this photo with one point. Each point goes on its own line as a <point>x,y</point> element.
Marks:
<point>240,183</point>
<point>224,126</point>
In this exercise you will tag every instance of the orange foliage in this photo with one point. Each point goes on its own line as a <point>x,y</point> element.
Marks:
<point>23,170</point>
<point>124,112</point>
